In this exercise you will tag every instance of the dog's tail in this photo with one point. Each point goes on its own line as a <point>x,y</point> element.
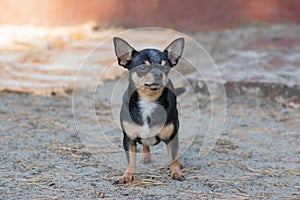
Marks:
<point>179,91</point>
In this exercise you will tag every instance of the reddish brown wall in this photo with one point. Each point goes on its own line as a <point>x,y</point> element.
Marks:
<point>178,14</point>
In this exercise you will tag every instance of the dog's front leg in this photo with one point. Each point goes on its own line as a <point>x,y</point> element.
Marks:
<point>130,151</point>
<point>172,148</point>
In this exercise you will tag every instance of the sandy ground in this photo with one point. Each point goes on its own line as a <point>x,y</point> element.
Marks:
<point>43,157</point>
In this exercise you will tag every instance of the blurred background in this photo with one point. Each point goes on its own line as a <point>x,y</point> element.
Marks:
<point>175,14</point>
<point>43,43</point>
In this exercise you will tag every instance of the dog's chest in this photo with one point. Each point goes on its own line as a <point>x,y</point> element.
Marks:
<point>152,127</point>
<point>146,109</point>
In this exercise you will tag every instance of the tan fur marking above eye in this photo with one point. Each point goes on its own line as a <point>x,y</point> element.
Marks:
<point>147,62</point>
<point>163,63</point>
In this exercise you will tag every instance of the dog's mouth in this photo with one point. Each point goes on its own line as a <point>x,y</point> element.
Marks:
<point>153,86</point>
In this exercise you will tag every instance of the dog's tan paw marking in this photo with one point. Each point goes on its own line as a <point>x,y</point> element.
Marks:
<point>126,178</point>
<point>177,176</point>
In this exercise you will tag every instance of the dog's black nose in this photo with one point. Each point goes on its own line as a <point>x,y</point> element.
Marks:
<point>157,74</point>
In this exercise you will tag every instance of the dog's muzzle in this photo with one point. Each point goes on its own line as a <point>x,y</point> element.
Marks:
<point>153,86</point>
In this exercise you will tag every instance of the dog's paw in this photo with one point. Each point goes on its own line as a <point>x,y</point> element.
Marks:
<point>181,166</point>
<point>126,178</point>
<point>146,159</point>
<point>180,178</point>
<point>177,176</point>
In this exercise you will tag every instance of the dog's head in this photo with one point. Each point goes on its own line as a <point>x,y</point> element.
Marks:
<point>148,68</point>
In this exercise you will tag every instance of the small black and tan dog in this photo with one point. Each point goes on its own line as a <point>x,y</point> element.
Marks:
<point>149,113</point>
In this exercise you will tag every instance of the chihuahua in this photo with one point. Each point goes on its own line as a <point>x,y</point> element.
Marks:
<point>149,111</point>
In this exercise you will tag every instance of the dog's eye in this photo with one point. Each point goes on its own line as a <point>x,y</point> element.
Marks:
<point>143,68</point>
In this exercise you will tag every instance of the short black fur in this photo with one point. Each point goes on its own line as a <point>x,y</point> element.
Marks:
<point>148,79</point>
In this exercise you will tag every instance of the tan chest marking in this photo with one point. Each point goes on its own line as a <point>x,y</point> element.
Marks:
<point>166,132</point>
<point>133,131</point>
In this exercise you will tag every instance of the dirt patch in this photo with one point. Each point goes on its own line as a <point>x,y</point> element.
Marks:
<point>42,156</point>
<point>46,61</point>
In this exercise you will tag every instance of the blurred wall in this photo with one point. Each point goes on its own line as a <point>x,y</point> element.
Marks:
<point>177,14</point>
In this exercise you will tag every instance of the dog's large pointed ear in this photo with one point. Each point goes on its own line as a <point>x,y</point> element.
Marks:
<point>123,51</point>
<point>174,50</point>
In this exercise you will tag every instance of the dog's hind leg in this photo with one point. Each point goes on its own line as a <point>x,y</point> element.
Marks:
<point>146,158</point>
